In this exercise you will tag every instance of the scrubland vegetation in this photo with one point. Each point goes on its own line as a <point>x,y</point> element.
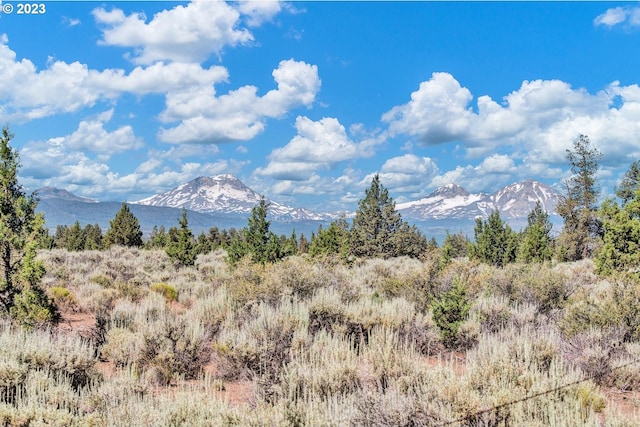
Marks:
<point>392,342</point>
<point>367,324</point>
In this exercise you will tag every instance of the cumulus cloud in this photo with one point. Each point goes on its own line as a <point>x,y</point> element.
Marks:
<point>240,114</point>
<point>318,145</point>
<point>189,91</point>
<point>28,93</point>
<point>54,163</point>
<point>408,174</point>
<point>619,15</point>
<point>541,119</point>
<point>438,111</point>
<point>493,172</point>
<point>91,136</point>
<point>188,33</point>
<point>259,11</point>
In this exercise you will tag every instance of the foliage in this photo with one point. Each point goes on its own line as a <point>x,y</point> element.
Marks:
<point>621,237</point>
<point>536,243</point>
<point>378,230</point>
<point>495,242</point>
<point>581,225</point>
<point>157,238</point>
<point>255,239</point>
<point>166,290</point>
<point>449,311</point>
<point>21,295</point>
<point>333,240</point>
<point>182,249</point>
<point>629,184</point>
<point>124,229</point>
<point>455,246</point>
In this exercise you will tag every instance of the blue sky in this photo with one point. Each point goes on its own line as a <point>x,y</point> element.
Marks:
<point>305,101</point>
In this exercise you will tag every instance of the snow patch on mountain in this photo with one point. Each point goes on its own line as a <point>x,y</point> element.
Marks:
<point>226,194</point>
<point>452,201</point>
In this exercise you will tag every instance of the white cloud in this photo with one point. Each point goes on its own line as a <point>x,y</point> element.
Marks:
<point>188,33</point>
<point>541,119</point>
<point>28,93</point>
<point>408,174</point>
<point>91,136</point>
<point>240,114</point>
<point>259,11</point>
<point>619,15</point>
<point>318,145</point>
<point>438,111</point>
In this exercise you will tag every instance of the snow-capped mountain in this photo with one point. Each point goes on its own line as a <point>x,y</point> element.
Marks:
<point>453,202</point>
<point>225,194</point>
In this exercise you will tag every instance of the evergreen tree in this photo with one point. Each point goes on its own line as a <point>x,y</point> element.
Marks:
<point>581,226</point>
<point>256,239</point>
<point>21,294</point>
<point>303,244</point>
<point>124,229</point>
<point>182,250</point>
<point>331,241</point>
<point>290,245</point>
<point>629,184</point>
<point>378,229</point>
<point>455,246</point>
<point>537,243</point>
<point>495,242</point>
<point>621,248</point>
<point>157,238</point>
<point>60,236</point>
<point>92,237</point>
<point>75,238</point>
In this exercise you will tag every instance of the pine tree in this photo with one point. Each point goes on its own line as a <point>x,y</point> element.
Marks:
<point>629,184</point>
<point>455,246</point>
<point>75,238</point>
<point>157,238</point>
<point>495,242</point>
<point>21,294</point>
<point>378,229</point>
<point>182,250</point>
<point>92,237</point>
<point>581,226</point>
<point>124,229</point>
<point>621,238</point>
<point>256,239</point>
<point>333,240</point>
<point>537,243</point>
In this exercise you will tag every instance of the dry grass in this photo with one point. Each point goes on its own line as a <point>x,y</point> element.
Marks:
<point>317,343</point>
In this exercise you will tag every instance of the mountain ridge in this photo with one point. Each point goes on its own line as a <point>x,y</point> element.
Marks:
<point>452,201</point>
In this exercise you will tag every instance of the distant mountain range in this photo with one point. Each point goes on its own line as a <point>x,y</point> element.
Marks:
<point>228,195</point>
<point>454,202</point>
<point>224,201</point>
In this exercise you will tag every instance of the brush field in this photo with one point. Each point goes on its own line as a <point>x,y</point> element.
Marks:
<point>314,342</point>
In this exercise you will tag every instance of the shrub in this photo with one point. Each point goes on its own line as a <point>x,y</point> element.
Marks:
<point>122,347</point>
<point>63,298</point>
<point>449,311</point>
<point>166,290</point>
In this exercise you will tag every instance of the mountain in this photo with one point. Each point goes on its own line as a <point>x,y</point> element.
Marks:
<point>47,193</point>
<point>226,194</point>
<point>453,202</point>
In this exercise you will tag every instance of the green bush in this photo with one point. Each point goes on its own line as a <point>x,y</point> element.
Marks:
<point>169,292</point>
<point>449,311</point>
<point>63,298</point>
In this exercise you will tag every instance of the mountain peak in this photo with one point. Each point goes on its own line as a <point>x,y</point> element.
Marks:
<point>223,194</point>
<point>452,201</point>
<point>449,190</point>
<point>45,193</point>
